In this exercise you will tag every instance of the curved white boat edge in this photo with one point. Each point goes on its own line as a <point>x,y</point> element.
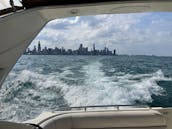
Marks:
<point>20,28</point>
<point>155,118</point>
<point>161,118</point>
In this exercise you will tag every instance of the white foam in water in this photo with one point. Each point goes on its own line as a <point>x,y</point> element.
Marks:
<point>101,89</point>
<point>97,89</point>
<point>18,109</point>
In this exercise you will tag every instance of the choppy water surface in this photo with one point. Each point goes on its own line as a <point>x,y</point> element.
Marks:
<point>47,83</point>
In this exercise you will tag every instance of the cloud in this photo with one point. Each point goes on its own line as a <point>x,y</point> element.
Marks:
<point>60,22</point>
<point>128,33</point>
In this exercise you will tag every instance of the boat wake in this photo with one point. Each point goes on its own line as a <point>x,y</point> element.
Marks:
<point>99,89</point>
<point>27,93</point>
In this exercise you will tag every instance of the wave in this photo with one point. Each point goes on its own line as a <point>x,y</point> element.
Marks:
<point>29,92</point>
<point>101,89</point>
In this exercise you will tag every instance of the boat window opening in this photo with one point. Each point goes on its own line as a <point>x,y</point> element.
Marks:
<point>101,61</point>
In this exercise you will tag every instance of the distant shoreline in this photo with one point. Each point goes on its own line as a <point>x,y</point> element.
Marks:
<point>97,55</point>
<point>66,55</point>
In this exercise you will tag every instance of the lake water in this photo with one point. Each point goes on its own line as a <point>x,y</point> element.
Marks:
<point>48,83</point>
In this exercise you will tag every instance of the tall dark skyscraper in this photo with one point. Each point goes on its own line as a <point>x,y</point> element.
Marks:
<point>80,47</point>
<point>39,47</point>
<point>34,49</point>
<point>114,52</point>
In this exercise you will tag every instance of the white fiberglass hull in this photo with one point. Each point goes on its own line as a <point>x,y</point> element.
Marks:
<point>137,118</point>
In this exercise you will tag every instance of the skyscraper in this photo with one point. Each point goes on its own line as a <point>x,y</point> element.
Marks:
<point>94,47</point>
<point>80,47</point>
<point>39,47</point>
<point>114,52</point>
<point>34,50</point>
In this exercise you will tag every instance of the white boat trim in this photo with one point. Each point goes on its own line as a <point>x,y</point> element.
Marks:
<point>136,118</point>
<point>17,30</point>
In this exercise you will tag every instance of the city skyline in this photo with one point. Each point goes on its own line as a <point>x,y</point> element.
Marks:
<point>130,34</point>
<point>81,50</point>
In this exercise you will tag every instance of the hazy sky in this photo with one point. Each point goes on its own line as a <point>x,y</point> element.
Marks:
<point>139,33</point>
